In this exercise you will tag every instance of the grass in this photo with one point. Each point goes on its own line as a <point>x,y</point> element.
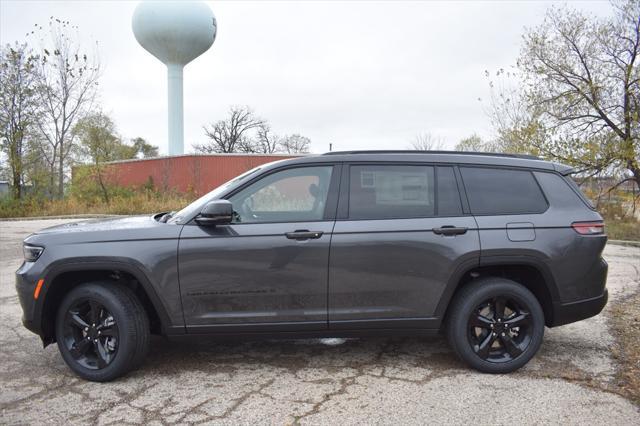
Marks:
<point>625,317</point>
<point>628,230</point>
<point>136,203</point>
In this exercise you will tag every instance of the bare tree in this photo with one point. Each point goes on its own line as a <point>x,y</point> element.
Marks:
<point>267,142</point>
<point>18,109</point>
<point>68,79</point>
<point>295,144</point>
<point>427,142</point>
<point>231,134</point>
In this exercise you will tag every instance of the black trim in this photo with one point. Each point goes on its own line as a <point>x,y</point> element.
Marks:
<point>413,151</point>
<point>125,265</point>
<point>331,205</point>
<point>258,327</point>
<point>565,313</point>
<point>462,191</point>
<point>240,335</point>
<point>385,323</point>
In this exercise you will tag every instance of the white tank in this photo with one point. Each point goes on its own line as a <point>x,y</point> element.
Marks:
<point>175,32</point>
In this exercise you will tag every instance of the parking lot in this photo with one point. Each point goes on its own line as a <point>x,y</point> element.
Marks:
<point>331,381</point>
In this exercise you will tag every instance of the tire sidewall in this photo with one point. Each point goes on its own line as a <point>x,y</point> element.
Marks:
<point>126,338</point>
<point>484,291</point>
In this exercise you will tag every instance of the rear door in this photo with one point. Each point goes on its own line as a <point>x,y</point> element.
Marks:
<point>400,235</point>
<point>266,271</point>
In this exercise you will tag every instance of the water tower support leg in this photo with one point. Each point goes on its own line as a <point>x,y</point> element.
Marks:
<point>176,113</point>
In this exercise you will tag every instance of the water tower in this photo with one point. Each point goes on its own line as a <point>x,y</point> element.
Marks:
<point>176,32</point>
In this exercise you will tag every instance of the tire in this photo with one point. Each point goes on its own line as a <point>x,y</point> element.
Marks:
<point>102,331</point>
<point>490,342</point>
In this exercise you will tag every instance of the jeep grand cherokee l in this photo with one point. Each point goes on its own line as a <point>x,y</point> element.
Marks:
<point>488,249</point>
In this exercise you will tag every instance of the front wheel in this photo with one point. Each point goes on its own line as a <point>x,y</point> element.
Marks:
<point>495,325</point>
<point>102,331</point>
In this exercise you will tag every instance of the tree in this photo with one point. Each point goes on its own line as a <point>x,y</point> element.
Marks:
<point>144,148</point>
<point>231,134</point>
<point>267,142</point>
<point>474,143</point>
<point>581,91</point>
<point>295,144</point>
<point>427,142</point>
<point>18,109</point>
<point>67,85</point>
<point>99,143</point>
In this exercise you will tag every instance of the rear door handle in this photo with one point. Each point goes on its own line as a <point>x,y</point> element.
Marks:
<point>303,235</point>
<point>450,230</point>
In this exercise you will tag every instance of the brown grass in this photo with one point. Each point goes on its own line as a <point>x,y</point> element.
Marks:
<point>625,317</point>
<point>137,203</point>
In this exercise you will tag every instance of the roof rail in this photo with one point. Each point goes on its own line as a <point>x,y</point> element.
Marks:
<point>489,154</point>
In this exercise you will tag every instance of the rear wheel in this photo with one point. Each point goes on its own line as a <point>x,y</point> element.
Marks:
<point>495,325</point>
<point>102,331</point>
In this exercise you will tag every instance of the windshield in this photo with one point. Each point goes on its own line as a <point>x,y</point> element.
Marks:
<point>195,207</point>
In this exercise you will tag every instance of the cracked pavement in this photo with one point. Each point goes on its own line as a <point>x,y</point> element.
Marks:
<point>354,381</point>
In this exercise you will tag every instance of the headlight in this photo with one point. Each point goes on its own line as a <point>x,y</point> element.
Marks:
<point>31,253</point>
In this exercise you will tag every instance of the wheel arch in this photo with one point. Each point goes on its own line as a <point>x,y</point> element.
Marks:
<point>61,277</point>
<point>525,270</point>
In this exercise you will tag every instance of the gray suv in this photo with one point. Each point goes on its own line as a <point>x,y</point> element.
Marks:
<point>488,249</point>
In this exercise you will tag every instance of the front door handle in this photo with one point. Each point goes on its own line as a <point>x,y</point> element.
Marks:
<point>303,234</point>
<point>450,230</point>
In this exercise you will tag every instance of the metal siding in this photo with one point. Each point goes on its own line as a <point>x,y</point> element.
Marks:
<point>197,174</point>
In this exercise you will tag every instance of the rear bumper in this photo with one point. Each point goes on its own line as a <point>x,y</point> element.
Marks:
<point>565,313</point>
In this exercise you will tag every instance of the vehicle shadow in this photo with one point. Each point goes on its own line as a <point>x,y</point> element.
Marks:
<point>174,357</point>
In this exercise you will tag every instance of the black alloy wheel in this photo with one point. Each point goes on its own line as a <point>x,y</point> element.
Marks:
<point>102,330</point>
<point>495,325</point>
<point>500,329</point>
<point>91,334</point>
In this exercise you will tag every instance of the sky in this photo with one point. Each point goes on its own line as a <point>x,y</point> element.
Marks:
<point>358,74</point>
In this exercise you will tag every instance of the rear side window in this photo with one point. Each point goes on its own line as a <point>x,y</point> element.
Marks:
<point>502,191</point>
<point>385,192</point>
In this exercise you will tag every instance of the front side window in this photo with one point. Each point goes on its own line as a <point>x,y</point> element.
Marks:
<point>502,191</point>
<point>291,195</point>
<point>391,191</point>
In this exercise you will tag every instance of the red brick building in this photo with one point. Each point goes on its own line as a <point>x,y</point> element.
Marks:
<point>193,173</point>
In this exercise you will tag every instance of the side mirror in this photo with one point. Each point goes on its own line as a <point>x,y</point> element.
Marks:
<point>216,212</point>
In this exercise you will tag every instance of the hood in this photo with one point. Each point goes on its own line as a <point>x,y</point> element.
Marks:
<point>102,224</point>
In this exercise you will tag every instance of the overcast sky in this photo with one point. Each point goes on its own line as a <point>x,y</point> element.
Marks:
<point>361,75</point>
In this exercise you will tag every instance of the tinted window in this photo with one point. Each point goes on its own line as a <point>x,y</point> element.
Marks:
<point>448,194</point>
<point>382,192</point>
<point>290,195</point>
<point>502,191</point>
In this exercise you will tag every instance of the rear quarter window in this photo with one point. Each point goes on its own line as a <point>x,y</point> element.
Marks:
<point>502,191</point>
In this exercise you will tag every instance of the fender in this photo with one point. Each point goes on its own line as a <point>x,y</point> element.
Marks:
<point>127,265</point>
<point>464,268</point>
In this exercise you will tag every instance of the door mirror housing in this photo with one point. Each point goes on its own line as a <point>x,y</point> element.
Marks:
<point>216,212</point>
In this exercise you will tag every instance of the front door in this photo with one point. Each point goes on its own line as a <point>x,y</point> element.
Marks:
<point>401,237</point>
<point>267,270</point>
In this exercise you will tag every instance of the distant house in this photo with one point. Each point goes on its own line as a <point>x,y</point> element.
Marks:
<point>5,189</point>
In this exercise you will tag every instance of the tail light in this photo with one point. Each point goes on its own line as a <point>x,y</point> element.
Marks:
<point>588,228</point>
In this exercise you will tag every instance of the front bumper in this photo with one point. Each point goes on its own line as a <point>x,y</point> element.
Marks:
<point>25,287</point>
<point>565,313</point>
